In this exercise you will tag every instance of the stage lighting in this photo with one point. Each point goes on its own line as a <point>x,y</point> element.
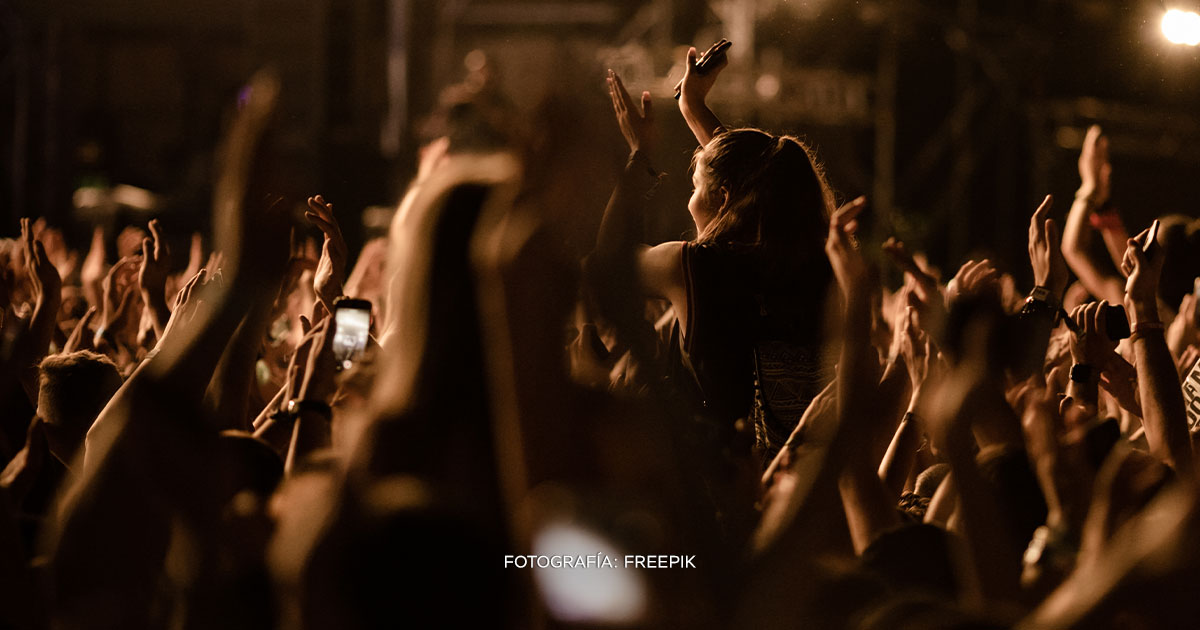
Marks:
<point>1182,27</point>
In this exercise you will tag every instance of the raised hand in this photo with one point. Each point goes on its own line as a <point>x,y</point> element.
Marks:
<point>331,268</point>
<point>637,126</point>
<point>152,277</point>
<point>1142,266</point>
<point>44,280</point>
<point>917,349</point>
<point>1045,251</point>
<point>697,82</point>
<point>81,336</point>
<point>188,303</point>
<point>1095,171</point>
<point>120,293</point>
<point>848,264</point>
<point>974,279</point>
<point>63,259</point>
<point>925,285</point>
<point>1091,346</point>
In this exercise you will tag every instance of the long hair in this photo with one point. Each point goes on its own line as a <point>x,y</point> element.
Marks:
<point>779,201</point>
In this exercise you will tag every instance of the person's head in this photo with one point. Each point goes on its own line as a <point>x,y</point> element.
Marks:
<point>753,188</point>
<point>1179,237</point>
<point>72,390</point>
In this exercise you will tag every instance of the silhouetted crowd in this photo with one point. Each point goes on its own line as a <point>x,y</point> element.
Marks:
<point>749,429</point>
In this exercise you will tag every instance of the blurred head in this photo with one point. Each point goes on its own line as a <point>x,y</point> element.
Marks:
<point>1179,237</point>
<point>753,188</point>
<point>72,390</point>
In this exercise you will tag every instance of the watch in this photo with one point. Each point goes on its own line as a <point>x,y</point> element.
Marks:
<point>1042,294</point>
<point>296,406</point>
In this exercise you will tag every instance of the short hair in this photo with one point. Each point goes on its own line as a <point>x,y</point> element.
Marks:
<point>74,387</point>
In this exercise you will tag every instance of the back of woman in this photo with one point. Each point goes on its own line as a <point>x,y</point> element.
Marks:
<point>756,280</point>
<point>748,292</point>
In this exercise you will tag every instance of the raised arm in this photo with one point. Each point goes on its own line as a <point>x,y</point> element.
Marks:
<point>46,289</point>
<point>152,278</point>
<point>920,358</point>
<point>869,509</point>
<point>694,89</point>
<point>1094,174</point>
<point>150,456</point>
<point>1163,414</point>
<point>1040,313</point>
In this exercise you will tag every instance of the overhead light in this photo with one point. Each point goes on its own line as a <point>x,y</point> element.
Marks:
<point>1182,27</point>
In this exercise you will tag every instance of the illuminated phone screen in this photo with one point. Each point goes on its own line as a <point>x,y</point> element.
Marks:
<point>350,337</point>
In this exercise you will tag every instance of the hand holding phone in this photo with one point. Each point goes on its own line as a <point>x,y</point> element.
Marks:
<point>713,59</point>
<point>1151,237</point>
<point>353,318</point>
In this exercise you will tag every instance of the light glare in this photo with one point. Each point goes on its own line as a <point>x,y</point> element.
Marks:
<point>1182,27</point>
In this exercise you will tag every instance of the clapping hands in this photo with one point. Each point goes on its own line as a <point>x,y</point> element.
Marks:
<point>637,126</point>
<point>331,268</point>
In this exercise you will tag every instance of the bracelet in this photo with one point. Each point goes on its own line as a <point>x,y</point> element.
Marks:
<point>295,407</point>
<point>1140,329</point>
<point>1147,326</point>
<point>1105,220</point>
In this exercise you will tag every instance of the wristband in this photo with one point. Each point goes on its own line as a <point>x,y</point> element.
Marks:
<point>295,407</point>
<point>1042,294</point>
<point>1105,220</point>
<point>1141,328</point>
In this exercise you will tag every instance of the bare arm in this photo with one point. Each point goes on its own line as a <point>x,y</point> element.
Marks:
<point>152,278</point>
<point>693,90</point>
<point>47,297</point>
<point>869,510</point>
<point>1163,414</point>
<point>1094,171</point>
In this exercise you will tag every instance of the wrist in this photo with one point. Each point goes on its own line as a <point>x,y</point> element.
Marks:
<point>316,391</point>
<point>297,407</point>
<point>1089,194</point>
<point>690,102</point>
<point>1085,374</point>
<point>1145,312</point>
<point>914,401</point>
<point>1043,292</point>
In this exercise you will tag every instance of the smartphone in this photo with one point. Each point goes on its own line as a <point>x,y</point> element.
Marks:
<point>353,328</point>
<point>712,56</point>
<point>707,61</point>
<point>1152,237</point>
<point>1116,322</point>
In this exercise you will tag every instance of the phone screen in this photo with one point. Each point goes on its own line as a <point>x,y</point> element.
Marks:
<point>350,336</point>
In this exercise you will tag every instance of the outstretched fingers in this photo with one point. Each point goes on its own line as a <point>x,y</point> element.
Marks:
<point>845,215</point>
<point>1038,221</point>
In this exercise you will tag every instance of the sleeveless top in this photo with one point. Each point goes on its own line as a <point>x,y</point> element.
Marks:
<point>752,351</point>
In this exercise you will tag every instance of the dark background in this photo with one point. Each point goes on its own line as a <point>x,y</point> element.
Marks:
<point>954,116</point>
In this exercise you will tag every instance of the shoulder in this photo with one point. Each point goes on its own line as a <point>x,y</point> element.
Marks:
<point>661,267</point>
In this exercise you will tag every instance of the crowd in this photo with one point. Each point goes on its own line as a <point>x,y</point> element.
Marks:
<point>186,448</point>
